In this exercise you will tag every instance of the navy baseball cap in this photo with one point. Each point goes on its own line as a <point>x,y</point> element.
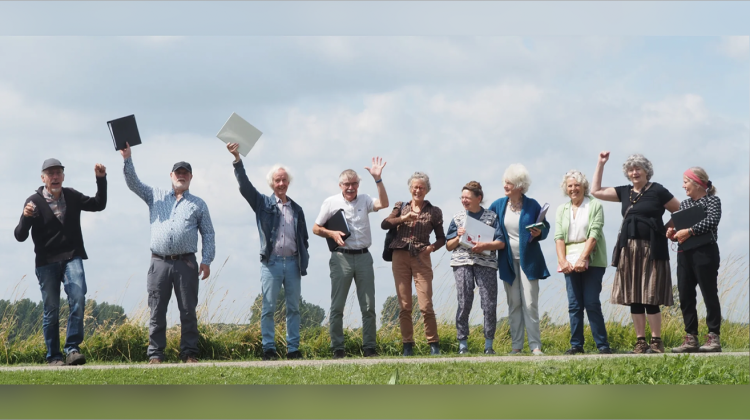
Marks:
<point>182,164</point>
<point>51,163</point>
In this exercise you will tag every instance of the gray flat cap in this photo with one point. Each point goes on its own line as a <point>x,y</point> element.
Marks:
<point>51,163</point>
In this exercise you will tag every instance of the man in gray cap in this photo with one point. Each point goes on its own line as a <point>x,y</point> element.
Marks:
<point>176,218</point>
<point>53,215</point>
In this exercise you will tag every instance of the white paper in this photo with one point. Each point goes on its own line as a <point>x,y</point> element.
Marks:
<point>476,231</point>
<point>237,130</point>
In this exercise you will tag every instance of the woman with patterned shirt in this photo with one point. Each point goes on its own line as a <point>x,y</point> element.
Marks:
<point>643,279</point>
<point>414,221</point>
<point>699,266</point>
<point>471,267</point>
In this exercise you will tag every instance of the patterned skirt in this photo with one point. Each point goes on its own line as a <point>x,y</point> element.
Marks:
<point>641,280</point>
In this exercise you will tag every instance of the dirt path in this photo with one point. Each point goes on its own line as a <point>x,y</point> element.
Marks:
<point>360,361</point>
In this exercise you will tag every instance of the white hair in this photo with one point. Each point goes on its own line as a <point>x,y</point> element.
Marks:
<point>639,160</point>
<point>421,176</point>
<point>579,177</point>
<point>517,175</point>
<point>273,171</point>
<point>349,174</point>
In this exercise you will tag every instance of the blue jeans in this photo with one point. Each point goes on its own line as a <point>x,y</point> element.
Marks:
<point>274,273</point>
<point>583,293</point>
<point>70,274</point>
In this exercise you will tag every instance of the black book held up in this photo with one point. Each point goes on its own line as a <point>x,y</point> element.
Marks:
<point>684,219</point>
<point>124,130</point>
<point>337,222</point>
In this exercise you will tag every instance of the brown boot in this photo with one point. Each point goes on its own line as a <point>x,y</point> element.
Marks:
<point>713,344</point>
<point>656,346</point>
<point>690,345</point>
<point>640,347</point>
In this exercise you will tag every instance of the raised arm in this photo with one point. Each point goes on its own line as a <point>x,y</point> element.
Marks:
<point>27,220</point>
<point>99,201</point>
<point>376,171</point>
<point>602,193</point>
<point>140,189</point>
<point>247,189</point>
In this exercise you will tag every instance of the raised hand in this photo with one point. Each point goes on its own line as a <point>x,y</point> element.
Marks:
<point>100,170</point>
<point>29,209</point>
<point>125,152</point>
<point>377,167</point>
<point>234,149</point>
<point>603,157</point>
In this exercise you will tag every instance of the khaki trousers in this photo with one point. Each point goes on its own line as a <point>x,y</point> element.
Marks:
<point>405,267</point>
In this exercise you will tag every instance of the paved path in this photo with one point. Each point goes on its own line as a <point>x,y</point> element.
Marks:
<point>360,361</point>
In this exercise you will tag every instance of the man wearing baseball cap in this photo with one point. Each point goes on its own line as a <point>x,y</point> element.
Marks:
<point>176,218</point>
<point>53,215</point>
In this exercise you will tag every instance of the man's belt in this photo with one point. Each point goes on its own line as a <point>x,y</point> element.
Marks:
<point>173,257</point>
<point>351,251</point>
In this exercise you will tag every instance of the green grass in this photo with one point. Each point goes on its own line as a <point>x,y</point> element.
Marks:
<point>631,370</point>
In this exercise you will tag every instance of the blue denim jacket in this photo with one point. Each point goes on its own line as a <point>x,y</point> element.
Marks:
<point>267,216</point>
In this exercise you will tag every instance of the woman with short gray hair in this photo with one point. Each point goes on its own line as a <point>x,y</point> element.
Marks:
<point>643,279</point>
<point>414,221</point>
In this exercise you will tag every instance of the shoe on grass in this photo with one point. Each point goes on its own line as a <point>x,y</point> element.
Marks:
<point>489,350</point>
<point>270,354</point>
<point>605,350</point>
<point>408,349</point>
<point>292,355</point>
<point>689,345</point>
<point>537,352</point>
<point>56,363</point>
<point>515,352</point>
<point>656,346</point>
<point>434,349</point>
<point>75,358</point>
<point>640,347</point>
<point>339,354</point>
<point>574,350</point>
<point>155,361</point>
<point>370,352</point>
<point>713,344</point>
<point>190,359</point>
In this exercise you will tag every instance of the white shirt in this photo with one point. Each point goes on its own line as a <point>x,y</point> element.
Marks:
<point>357,217</point>
<point>579,224</point>
<point>511,226</point>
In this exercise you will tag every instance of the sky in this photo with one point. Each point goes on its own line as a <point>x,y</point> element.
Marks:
<point>459,108</point>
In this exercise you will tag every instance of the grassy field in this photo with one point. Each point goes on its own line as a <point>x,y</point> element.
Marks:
<point>728,370</point>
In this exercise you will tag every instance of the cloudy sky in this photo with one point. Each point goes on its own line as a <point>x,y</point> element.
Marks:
<point>458,108</point>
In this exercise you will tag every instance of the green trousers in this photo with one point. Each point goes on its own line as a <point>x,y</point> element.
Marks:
<point>344,268</point>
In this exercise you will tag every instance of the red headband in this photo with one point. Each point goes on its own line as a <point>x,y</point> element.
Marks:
<point>689,173</point>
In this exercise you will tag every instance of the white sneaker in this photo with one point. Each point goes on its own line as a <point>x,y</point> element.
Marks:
<point>537,352</point>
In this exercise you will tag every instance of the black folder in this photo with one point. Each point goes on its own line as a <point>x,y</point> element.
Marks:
<point>687,218</point>
<point>124,130</point>
<point>337,222</point>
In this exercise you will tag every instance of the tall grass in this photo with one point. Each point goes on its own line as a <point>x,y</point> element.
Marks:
<point>222,338</point>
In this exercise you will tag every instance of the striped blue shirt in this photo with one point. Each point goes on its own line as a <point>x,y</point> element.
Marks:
<point>174,223</point>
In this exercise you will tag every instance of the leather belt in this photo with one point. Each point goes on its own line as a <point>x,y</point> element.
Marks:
<point>172,257</point>
<point>352,251</point>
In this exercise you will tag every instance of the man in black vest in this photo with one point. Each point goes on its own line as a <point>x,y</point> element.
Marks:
<point>53,214</point>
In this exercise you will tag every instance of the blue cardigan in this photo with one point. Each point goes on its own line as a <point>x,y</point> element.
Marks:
<point>532,259</point>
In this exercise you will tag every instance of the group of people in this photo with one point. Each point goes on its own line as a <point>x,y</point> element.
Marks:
<point>642,280</point>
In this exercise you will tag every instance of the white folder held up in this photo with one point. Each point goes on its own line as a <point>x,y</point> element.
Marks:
<point>237,130</point>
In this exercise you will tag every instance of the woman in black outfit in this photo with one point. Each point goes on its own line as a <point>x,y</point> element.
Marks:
<point>699,266</point>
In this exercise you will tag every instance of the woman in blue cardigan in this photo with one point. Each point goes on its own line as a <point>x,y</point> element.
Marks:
<point>521,264</point>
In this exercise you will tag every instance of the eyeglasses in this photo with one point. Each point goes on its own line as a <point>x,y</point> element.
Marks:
<point>350,184</point>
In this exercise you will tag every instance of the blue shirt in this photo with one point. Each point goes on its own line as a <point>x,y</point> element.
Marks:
<point>174,223</point>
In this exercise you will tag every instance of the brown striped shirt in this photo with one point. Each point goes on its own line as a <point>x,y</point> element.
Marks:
<point>415,235</point>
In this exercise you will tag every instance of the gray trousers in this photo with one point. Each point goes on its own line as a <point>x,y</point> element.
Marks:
<point>344,268</point>
<point>523,309</point>
<point>163,276</point>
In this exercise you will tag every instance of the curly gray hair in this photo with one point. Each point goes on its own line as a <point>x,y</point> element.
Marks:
<point>272,172</point>
<point>517,175</point>
<point>421,176</point>
<point>639,160</point>
<point>579,177</point>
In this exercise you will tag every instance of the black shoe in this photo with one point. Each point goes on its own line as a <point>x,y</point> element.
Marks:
<point>574,350</point>
<point>339,354</point>
<point>408,349</point>
<point>605,350</point>
<point>489,350</point>
<point>294,355</point>
<point>463,351</point>
<point>270,355</point>
<point>434,349</point>
<point>370,353</point>
<point>75,358</point>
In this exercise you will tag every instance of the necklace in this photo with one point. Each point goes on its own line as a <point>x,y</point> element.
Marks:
<point>637,197</point>
<point>515,208</point>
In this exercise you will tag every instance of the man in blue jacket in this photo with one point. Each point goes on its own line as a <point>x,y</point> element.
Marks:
<point>53,214</point>
<point>283,252</point>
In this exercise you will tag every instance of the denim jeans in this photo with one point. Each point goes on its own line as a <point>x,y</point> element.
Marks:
<point>583,293</point>
<point>70,274</point>
<point>274,273</point>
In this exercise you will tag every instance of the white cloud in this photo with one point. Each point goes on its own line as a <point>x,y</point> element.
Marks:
<point>675,112</point>
<point>737,47</point>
